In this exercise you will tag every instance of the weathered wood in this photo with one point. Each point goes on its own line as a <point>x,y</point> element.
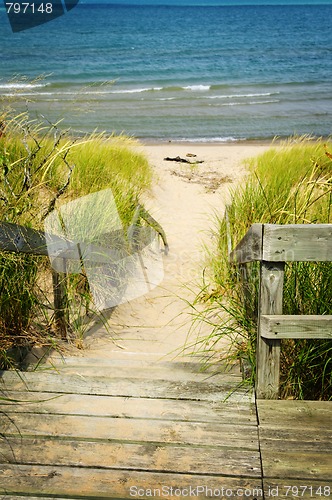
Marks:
<point>144,214</point>
<point>131,387</point>
<point>171,371</point>
<point>294,464</point>
<point>268,350</point>
<point>98,483</point>
<point>16,497</point>
<point>311,414</point>
<point>290,488</point>
<point>250,247</point>
<point>131,456</point>
<point>205,434</point>
<point>270,243</point>
<point>296,327</point>
<point>61,311</point>
<point>155,372</point>
<point>21,239</point>
<point>296,441</point>
<point>294,438</point>
<point>142,408</point>
<point>181,366</point>
<point>15,238</point>
<point>297,242</point>
<point>246,295</point>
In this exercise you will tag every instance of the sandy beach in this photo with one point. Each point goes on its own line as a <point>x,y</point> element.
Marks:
<point>184,199</point>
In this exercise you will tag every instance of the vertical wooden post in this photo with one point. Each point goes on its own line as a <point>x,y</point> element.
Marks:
<point>243,270</point>
<point>268,351</point>
<point>61,311</point>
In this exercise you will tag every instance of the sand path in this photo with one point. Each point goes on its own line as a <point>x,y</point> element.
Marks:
<point>184,200</point>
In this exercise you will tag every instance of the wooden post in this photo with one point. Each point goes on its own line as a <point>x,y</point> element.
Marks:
<point>243,270</point>
<point>268,350</point>
<point>61,311</point>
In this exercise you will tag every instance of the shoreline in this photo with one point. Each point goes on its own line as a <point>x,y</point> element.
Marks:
<point>192,143</point>
<point>277,140</point>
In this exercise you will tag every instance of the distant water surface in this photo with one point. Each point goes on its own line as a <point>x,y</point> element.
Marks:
<point>186,73</point>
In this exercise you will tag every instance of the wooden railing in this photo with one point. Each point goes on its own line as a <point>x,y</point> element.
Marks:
<point>273,245</point>
<point>21,239</point>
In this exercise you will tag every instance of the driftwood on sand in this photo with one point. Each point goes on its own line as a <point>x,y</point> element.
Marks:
<point>182,160</point>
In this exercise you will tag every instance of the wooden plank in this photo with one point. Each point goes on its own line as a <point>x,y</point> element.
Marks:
<point>297,242</point>
<point>290,488</point>
<point>106,406</point>
<point>99,483</point>
<point>296,327</point>
<point>306,441</point>
<point>310,414</point>
<point>182,366</point>
<point>250,247</point>
<point>15,238</point>
<point>170,371</point>
<point>131,387</point>
<point>205,434</point>
<point>268,350</point>
<point>296,464</point>
<point>10,497</point>
<point>300,446</point>
<point>143,457</point>
<point>21,239</point>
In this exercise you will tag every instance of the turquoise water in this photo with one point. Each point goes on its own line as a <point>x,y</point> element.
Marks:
<point>187,73</point>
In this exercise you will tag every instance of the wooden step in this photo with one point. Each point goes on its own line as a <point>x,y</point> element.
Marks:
<point>204,434</point>
<point>109,406</point>
<point>131,456</point>
<point>141,369</point>
<point>299,448</point>
<point>52,382</point>
<point>94,483</point>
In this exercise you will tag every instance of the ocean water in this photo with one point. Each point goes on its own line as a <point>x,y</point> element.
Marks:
<point>186,73</point>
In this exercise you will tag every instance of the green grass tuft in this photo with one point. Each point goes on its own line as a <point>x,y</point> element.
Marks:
<point>41,168</point>
<point>289,184</point>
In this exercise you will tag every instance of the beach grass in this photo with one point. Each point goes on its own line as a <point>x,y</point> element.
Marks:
<point>290,183</point>
<point>42,168</point>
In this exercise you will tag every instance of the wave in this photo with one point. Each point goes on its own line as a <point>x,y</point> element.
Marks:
<point>11,86</point>
<point>196,88</point>
<point>212,139</point>
<point>72,88</point>
<point>231,96</point>
<point>134,91</point>
<point>247,103</point>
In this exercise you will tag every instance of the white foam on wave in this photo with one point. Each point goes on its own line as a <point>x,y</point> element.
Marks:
<point>211,139</point>
<point>11,86</point>
<point>136,91</point>
<point>197,88</point>
<point>250,103</point>
<point>231,96</point>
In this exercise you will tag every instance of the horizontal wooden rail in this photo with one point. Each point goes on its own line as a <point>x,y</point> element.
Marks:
<point>285,243</point>
<point>63,253</point>
<point>273,245</point>
<point>297,242</point>
<point>21,239</point>
<point>296,327</point>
